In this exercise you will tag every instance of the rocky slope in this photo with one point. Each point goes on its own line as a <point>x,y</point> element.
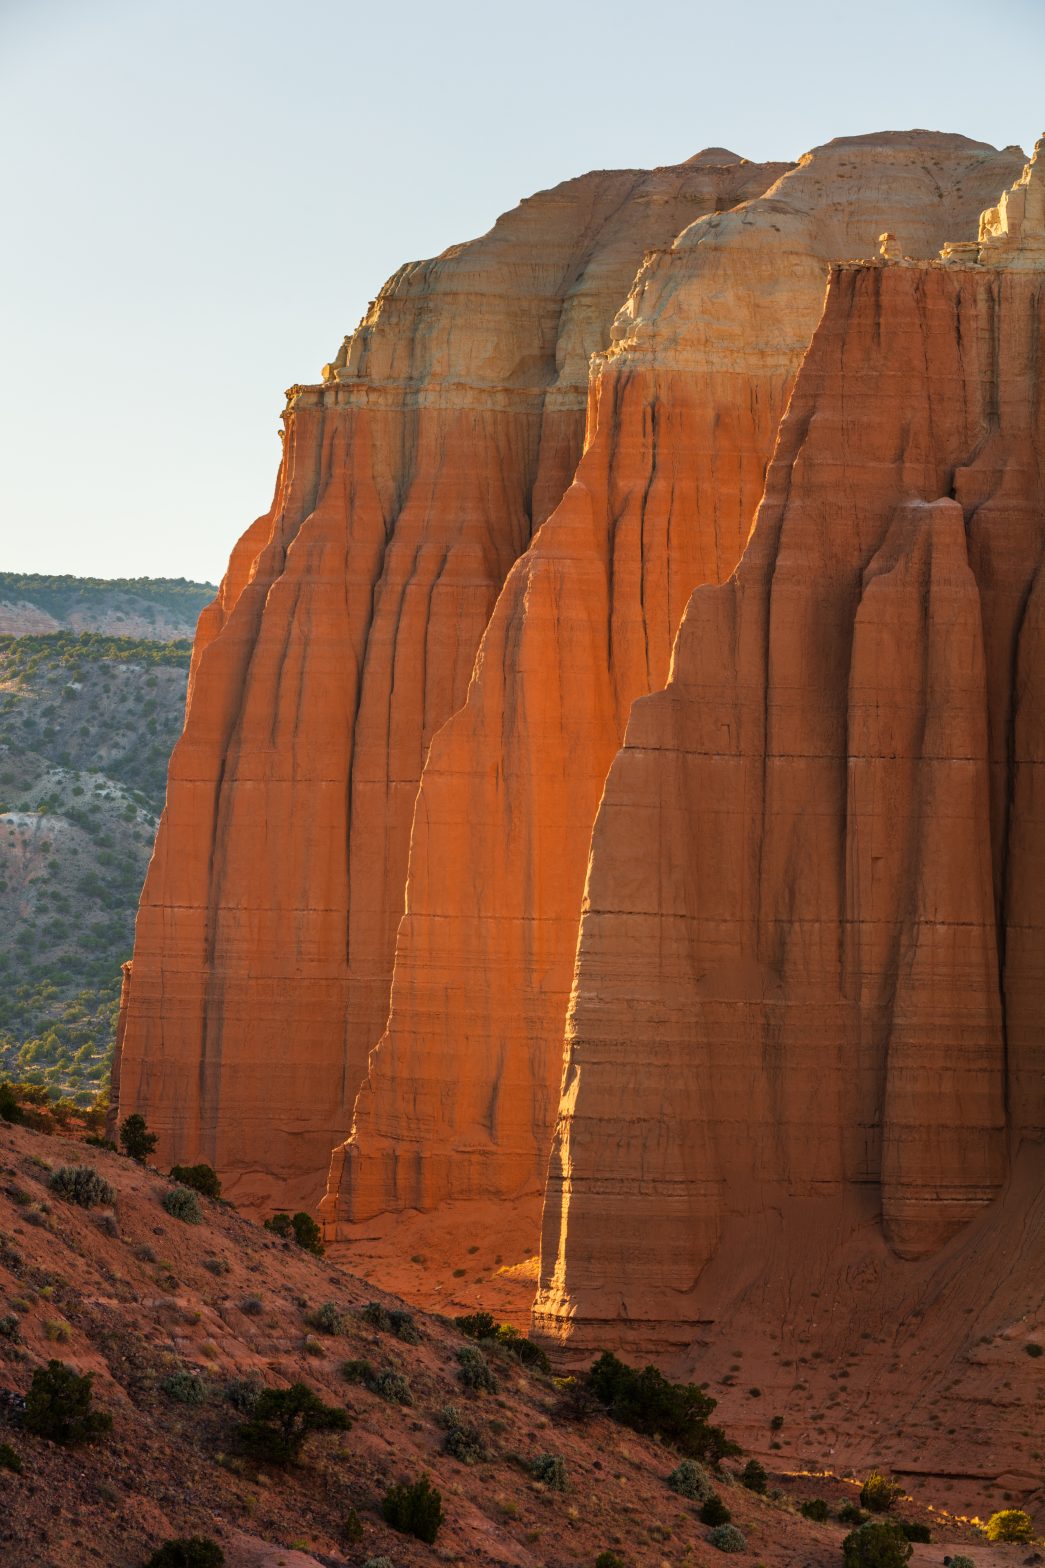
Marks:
<point>87,723</point>
<point>137,1297</point>
<point>342,639</point>
<point>812,916</point>
<point>683,410</point>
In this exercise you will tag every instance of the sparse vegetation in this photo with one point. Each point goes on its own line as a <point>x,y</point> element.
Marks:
<point>391,1320</point>
<point>10,1459</point>
<point>81,1184</point>
<point>284,1419</point>
<point>851,1513</point>
<point>482,1326</point>
<point>815,1508</point>
<point>59,1406</point>
<point>414,1508</point>
<point>713,1511</point>
<point>328,1319</point>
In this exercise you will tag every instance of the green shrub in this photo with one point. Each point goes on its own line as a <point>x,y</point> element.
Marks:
<point>849,1513</point>
<point>10,1459</point>
<point>609,1560</point>
<point>727,1538</point>
<point>474,1371</point>
<point>301,1226</point>
<point>414,1508</point>
<point>815,1508</point>
<point>1011,1524</point>
<point>1034,1350</point>
<point>136,1138</point>
<point>394,1387</point>
<point>551,1469</point>
<point>958,1561</point>
<point>201,1178</point>
<point>690,1480</point>
<point>462,1442</point>
<point>391,1320</point>
<point>284,1419</point>
<point>9,1326</point>
<point>58,1406</point>
<point>647,1402</point>
<point>379,1562</point>
<point>80,1184</point>
<point>182,1203</point>
<point>776,1423</point>
<point>243,1394</point>
<point>185,1388</point>
<point>352,1527</point>
<point>753,1476</point>
<point>252,1306</point>
<point>483,1326</point>
<point>328,1319</point>
<point>359,1371</point>
<point>879,1492</point>
<point>193,1551</point>
<point>914,1531</point>
<point>713,1511</point>
<point>878,1544</point>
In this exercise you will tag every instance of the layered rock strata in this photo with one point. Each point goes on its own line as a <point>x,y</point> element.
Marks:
<point>461,1093</point>
<point>808,987</point>
<point>342,637</point>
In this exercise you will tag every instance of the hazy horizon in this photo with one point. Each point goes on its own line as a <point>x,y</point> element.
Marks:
<point>201,200</point>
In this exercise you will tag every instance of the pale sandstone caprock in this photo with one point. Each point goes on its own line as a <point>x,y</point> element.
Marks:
<point>809,985</point>
<point>461,1093</point>
<point>342,637</point>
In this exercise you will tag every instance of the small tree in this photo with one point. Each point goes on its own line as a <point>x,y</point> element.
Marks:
<point>753,1476</point>
<point>307,1233</point>
<point>878,1544</point>
<point>1011,1524</point>
<point>713,1511</point>
<point>58,1406</point>
<point>284,1419</point>
<point>414,1508</point>
<point>136,1138</point>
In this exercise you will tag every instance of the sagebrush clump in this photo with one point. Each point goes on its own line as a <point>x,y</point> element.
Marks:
<point>727,1538</point>
<point>691,1480</point>
<point>551,1469</point>
<point>391,1320</point>
<point>81,1184</point>
<point>185,1388</point>
<point>474,1371</point>
<point>815,1508</point>
<point>182,1203</point>
<point>328,1319</point>
<point>484,1327</point>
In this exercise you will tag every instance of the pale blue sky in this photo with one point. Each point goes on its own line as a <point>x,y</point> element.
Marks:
<point>199,197</point>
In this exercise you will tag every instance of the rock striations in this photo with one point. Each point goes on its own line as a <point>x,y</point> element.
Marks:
<point>342,637</point>
<point>809,987</point>
<point>507,653</point>
<point>460,1098</point>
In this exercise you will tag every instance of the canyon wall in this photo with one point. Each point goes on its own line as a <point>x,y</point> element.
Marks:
<point>808,987</point>
<point>341,639</point>
<point>461,1094</point>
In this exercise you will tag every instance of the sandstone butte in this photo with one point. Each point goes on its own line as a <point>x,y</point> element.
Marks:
<point>804,1085</point>
<point>461,1093</point>
<point>342,637</point>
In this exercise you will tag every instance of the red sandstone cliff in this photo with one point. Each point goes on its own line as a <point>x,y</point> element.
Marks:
<point>461,1093</point>
<point>804,1035</point>
<point>342,637</point>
